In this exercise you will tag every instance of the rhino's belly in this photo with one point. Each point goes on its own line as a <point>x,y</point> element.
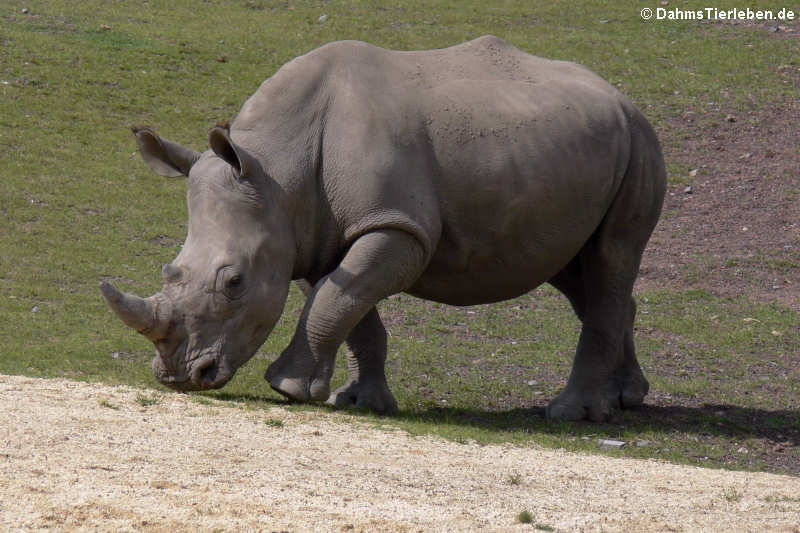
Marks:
<point>477,271</point>
<point>475,288</point>
<point>508,230</point>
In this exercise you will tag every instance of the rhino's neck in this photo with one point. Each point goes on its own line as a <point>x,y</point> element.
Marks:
<point>282,126</point>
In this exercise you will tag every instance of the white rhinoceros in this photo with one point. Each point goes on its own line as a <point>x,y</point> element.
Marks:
<point>465,175</point>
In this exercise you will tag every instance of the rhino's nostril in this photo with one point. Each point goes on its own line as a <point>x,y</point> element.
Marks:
<point>205,371</point>
<point>209,373</point>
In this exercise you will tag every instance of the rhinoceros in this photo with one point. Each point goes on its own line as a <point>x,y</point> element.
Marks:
<point>465,175</point>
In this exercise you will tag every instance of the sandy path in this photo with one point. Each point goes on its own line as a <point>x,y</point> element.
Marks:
<point>76,456</point>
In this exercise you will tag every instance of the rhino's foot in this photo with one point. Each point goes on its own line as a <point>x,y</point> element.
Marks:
<point>633,387</point>
<point>625,390</point>
<point>299,389</point>
<point>372,395</point>
<point>575,406</point>
<point>294,387</point>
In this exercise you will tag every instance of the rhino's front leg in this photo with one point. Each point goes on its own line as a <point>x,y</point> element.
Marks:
<point>377,265</point>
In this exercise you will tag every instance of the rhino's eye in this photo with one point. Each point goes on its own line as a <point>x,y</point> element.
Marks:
<point>230,282</point>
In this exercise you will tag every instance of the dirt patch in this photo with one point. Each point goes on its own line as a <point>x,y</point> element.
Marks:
<point>737,219</point>
<point>731,225</point>
<point>77,456</point>
<point>776,29</point>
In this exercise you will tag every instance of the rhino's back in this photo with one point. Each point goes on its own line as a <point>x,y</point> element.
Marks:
<point>356,69</point>
<point>487,58</point>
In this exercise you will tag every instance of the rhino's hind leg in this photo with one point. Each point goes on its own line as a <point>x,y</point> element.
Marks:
<point>627,385</point>
<point>341,306</point>
<point>605,375</point>
<point>366,357</point>
<point>599,282</point>
<point>632,384</point>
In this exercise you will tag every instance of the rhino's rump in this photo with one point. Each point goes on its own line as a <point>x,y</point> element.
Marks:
<point>523,179</point>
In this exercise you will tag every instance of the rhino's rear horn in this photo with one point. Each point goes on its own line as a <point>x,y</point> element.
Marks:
<point>138,313</point>
<point>171,273</point>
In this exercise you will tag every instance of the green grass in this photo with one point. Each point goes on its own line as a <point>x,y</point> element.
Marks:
<point>525,517</point>
<point>274,423</point>
<point>732,495</point>
<point>108,405</point>
<point>78,206</point>
<point>148,400</point>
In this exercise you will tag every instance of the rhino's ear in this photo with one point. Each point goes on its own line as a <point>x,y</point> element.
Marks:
<point>244,165</point>
<point>164,157</point>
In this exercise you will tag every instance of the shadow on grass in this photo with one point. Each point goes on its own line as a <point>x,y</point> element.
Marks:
<point>236,397</point>
<point>722,421</point>
<point>709,420</point>
<point>709,435</point>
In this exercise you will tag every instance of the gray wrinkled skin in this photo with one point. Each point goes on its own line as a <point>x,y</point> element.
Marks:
<point>465,175</point>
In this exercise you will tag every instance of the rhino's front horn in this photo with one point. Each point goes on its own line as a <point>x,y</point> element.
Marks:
<point>139,313</point>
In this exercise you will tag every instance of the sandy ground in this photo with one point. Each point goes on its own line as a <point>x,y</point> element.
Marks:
<point>86,457</point>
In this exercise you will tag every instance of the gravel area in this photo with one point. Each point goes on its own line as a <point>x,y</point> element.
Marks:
<point>89,457</point>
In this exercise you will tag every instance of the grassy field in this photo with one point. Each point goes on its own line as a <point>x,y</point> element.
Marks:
<point>78,205</point>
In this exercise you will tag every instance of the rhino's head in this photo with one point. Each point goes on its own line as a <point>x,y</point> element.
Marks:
<point>226,289</point>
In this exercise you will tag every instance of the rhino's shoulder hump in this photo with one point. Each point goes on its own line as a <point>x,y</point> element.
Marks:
<point>487,41</point>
